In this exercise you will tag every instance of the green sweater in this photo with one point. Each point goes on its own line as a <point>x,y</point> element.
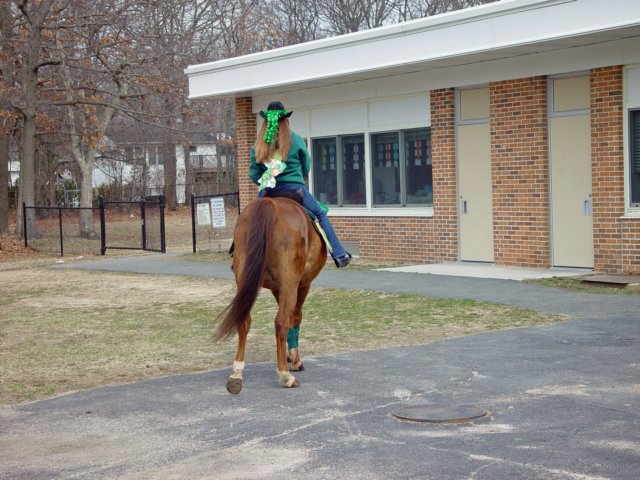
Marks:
<point>298,163</point>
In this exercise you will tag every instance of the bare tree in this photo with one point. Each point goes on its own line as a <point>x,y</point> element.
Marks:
<point>412,9</point>
<point>296,21</point>
<point>7,113</point>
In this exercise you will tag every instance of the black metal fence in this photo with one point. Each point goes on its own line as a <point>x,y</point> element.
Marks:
<point>213,220</point>
<point>116,225</point>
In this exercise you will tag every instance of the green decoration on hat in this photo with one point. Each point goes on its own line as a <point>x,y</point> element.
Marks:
<point>273,117</point>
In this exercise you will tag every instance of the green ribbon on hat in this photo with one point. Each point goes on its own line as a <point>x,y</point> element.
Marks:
<point>272,116</point>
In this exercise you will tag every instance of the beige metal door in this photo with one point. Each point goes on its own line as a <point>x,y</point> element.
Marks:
<point>476,205</point>
<point>571,220</point>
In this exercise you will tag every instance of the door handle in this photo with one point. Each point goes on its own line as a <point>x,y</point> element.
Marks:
<point>587,208</point>
<point>464,206</point>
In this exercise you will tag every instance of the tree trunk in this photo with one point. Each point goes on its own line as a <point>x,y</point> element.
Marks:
<point>35,15</point>
<point>45,178</point>
<point>4,183</point>
<point>169,161</point>
<point>27,184</point>
<point>86,197</point>
<point>188,174</point>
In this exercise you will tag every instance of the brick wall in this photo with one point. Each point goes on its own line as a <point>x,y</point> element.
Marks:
<point>245,138</point>
<point>390,238</point>
<point>607,166</point>
<point>519,169</point>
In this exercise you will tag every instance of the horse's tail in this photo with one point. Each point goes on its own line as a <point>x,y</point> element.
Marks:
<point>257,243</point>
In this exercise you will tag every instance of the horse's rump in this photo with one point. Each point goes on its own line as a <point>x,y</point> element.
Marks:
<point>276,247</point>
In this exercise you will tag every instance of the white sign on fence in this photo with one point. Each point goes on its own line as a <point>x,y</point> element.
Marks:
<point>204,214</point>
<point>217,213</point>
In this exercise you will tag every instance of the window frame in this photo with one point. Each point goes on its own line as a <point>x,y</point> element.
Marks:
<point>370,208</point>
<point>631,103</point>
<point>402,168</point>
<point>631,149</point>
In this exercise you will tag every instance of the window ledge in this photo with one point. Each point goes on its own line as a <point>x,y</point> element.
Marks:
<point>381,212</point>
<point>631,214</point>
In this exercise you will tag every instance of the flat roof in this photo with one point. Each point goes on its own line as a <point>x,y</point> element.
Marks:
<point>504,29</point>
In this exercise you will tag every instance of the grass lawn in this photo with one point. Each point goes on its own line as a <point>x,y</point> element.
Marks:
<point>65,330</point>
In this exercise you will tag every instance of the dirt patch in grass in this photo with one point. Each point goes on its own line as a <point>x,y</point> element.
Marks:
<point>65,330</point>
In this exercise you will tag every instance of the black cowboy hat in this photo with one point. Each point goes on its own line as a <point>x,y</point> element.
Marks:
<point>276,106</point>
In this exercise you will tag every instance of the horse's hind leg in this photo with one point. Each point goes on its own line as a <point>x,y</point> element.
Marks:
<point>294,350</point>
<point>286,308</point>
<point>234,383</point>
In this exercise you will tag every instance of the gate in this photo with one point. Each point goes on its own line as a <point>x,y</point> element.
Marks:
<point>133,225</point>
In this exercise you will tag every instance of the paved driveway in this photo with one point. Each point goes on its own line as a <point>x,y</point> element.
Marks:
<point>564,402</point>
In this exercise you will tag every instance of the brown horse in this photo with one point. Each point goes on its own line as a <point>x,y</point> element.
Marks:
<point>276,247</point>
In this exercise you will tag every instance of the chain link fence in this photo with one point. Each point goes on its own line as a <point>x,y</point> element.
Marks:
<point>116,225</point>
<point>56,230</point>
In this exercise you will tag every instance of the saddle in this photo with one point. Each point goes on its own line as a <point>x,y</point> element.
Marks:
<point>296,196</point>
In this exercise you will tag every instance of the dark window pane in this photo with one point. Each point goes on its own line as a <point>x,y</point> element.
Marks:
<point>325,185</point>
<point>634,156</point>
<point>385,156</point>
<point>353,181</point>
<point>418,166</point>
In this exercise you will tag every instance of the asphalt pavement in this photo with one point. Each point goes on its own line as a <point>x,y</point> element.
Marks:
<point>563,400</point>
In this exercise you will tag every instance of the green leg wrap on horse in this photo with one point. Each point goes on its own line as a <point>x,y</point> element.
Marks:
<point>292,337</point>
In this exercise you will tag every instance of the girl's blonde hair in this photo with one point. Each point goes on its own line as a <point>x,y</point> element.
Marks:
<point>281,144</point>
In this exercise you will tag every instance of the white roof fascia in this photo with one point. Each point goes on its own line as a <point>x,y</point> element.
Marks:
<point>488,28</point>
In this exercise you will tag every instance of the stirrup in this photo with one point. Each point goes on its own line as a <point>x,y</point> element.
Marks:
<point>343,260</point>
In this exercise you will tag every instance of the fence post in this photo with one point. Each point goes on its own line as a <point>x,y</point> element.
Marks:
<point>193,221</point>
<point>103,227</point>
<point>143,215</point>
<point>60,224</point>
<point>163,242</point>
<point>24,223</point>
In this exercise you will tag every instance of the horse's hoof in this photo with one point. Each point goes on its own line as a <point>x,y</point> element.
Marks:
<point>298,369</point>
<point>234,385</point>
<point>295,384</point>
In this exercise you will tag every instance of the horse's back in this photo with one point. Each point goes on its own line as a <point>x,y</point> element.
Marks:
<point>296,252</point>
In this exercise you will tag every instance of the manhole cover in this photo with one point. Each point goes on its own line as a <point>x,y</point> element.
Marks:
<point>440,414</point>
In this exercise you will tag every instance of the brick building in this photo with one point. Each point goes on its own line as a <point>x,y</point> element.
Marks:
<point>506,133</point>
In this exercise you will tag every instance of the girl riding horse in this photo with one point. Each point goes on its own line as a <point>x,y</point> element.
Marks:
<point>280,161</point>
<point>277,246</point>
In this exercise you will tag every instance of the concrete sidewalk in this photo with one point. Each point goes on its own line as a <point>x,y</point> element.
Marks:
<point>564,402</point>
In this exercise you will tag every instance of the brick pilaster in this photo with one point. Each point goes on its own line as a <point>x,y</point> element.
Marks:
<point>245,138</point>
<point>519,171</point>
<point>445,204</point>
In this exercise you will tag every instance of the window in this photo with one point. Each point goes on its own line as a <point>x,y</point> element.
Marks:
<point>156,155</point>
<point>401,168</point>
<point>324,170</point>
<point>418,167</point>
<point>634,156</point>
<point>353,180</point>
<point>338,170</point>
